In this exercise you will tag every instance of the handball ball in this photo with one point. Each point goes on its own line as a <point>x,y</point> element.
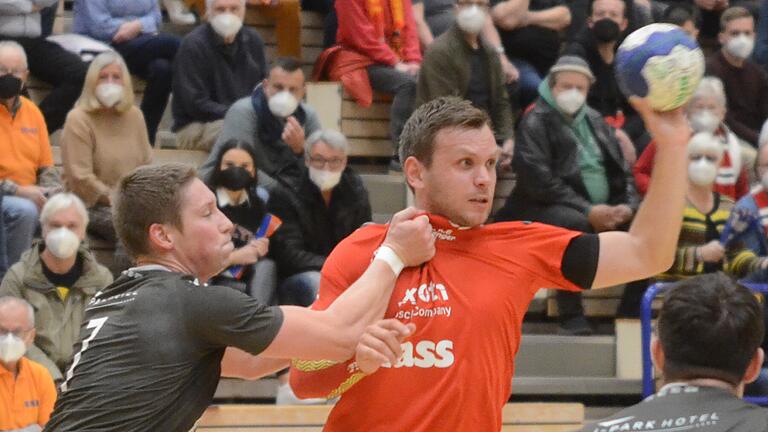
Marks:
<point>661,63</point>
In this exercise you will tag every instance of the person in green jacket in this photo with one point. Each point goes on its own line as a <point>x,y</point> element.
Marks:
<point>58,277</point>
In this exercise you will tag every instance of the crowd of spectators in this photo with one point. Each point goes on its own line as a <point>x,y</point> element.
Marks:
<point>542,69</point>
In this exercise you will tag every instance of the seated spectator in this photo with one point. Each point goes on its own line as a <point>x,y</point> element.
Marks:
<point>58,276</point>
<point>27,393</point>
<point>48,61</point>
<point>746,83</point>
<point>3,246</point>
<point>133,30</point>
<point>706,112</point>
<point>699,247</point>
<point>273,121</point>
<point>286,15</point>
<point>597,42</point>
<point>530,36</point>
<point>570,170</point>
<point>685,16</point>
<point>707,345</point>
<point>217,63</point>
<point>377,49</point>
<point>104,138</point>
<point>755,204</point>
<point>433,18</point>
<point>462,63</point>
<point>319,209</point>
<point>27,174</point>
<point>239,197</point>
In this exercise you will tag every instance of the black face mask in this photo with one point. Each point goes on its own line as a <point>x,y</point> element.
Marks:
<point>606,30</point>
<point>10,86</point>
<point>235,178</point>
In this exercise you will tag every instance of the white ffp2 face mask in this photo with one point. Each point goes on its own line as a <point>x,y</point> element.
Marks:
<point>702,172</point>
<point>283,104</point>
<point>471,19</point>
<point>226,25</point>
<point>109,94</point>
<point>324,180</point>
<point>570,101</point>
<point>62,243</point>
<point>740,46</point>
<point>12,348</point>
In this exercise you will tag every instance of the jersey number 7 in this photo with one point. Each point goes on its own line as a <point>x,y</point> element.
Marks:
<point>95,324</point>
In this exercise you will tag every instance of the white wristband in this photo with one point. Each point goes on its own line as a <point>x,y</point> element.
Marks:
<point>386,254</point>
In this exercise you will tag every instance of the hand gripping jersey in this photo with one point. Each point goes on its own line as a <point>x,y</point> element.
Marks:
<point>468,304</point>
<point>150,350</point>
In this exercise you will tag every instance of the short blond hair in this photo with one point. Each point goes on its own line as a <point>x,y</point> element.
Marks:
<point>88,100</point>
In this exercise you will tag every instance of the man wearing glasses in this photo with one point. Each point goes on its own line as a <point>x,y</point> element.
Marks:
<point>325,204</point>
<point>463,63</point>
<point>27,393</point>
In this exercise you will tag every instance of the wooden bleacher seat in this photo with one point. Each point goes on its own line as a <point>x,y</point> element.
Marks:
<point>517,417</point>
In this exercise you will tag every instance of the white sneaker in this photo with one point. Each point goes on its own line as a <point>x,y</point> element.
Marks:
<point>286,396</point>
<point>178,12</point>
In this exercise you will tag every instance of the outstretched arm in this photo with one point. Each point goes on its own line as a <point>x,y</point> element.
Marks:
<point>649,246</point>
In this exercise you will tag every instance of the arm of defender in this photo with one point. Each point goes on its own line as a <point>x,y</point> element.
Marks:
<point>239,364</point>
<point>650,245</point>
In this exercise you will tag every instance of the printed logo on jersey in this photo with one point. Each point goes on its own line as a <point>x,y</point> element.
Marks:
<point>630,424</point>
<point>428,300</point>
<point>112,301</point>
<point>425,354</point>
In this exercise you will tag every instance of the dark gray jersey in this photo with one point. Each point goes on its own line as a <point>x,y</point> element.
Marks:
<point>148,357</point>
<point>681,407</point>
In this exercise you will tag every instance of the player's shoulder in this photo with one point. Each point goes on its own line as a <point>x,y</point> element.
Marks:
<point>523,229</point>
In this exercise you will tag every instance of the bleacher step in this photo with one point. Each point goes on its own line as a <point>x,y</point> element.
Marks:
<point>566,356</point>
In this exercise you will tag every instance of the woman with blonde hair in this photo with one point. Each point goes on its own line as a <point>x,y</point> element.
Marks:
<point>104,137</point>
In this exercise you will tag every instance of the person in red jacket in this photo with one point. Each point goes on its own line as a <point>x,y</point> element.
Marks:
<point>378,37</point>
<point>706,113</point>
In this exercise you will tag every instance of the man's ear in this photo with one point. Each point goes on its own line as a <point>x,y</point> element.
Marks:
<point>657,353</point>
<point>754,367</point>
<point>414,172</point>
<point>160,239</point>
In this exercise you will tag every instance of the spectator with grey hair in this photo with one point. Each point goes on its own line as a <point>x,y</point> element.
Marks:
<point>218,62</point>
<point>273,121</point>
<point>318,209</point>
<point>27,393</point>
<point>707,111</point>
<point>26,159</point>
<point>48,61</point>
<point>58,276</point>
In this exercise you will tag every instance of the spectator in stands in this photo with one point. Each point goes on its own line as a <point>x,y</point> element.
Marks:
<point>685,16</point>
<point>27,393</point>
<point>597,43</point>
<point>700,248</point>
<point>286,15</point>
<point>570,170</point>
<point>133,30</point>
<point>530,35</point>
<point>273,121</point>
<point>58,276</point>
<point>244,202</point>
<point>461,63</point>
<point>319,209</point>
<point>217,63</point>
<point>707,345</point>
<point>433,18</point>
<point>48,61</point>
<point>755,203</point>
<point>746,83</point>
<point>27,174</point>
<point>377,48</point>
<point>178,12</point>
<point>3,246</point>
<point>761,38</point>
<point>104,138</point>
<point>706,113</point>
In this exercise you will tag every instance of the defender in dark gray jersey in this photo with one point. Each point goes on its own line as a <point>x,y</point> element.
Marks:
<point>708,346</point>
<point>154,343</point>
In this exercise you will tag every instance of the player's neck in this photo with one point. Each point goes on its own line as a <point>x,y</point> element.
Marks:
<point>171,263</point>
<point>58,265</point>
<point>716,383</point>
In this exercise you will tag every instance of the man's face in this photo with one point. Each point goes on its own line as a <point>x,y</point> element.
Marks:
<point>459,183</point>
<point>203,242</point>
<point>14,319</point>
<point>610,9</point>
<point>709,103</point>
<point>11,62</point>
<point>740,26</point>
<point>279,80</point>
<point>67,218</point>
<point>567,80</point>
<point>325,157</point>
<point>235,7</point>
